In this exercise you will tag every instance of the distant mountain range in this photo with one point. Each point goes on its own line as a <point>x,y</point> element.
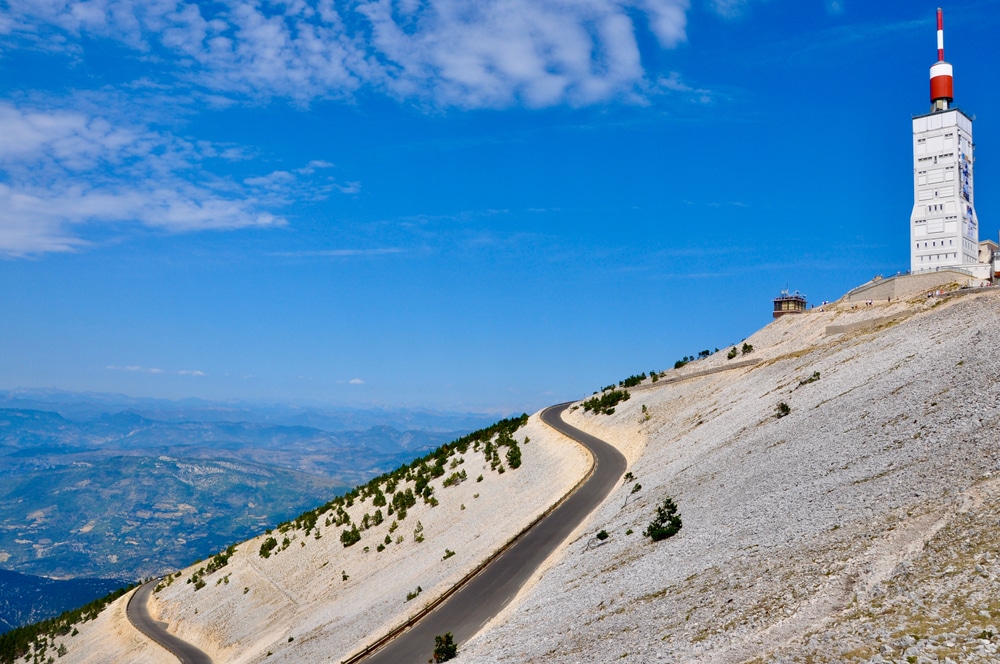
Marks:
<point>88,490</point>
<point>91,405</point>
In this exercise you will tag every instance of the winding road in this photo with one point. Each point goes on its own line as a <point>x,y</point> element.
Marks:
<point>138,614</point>
<point>470,605</point>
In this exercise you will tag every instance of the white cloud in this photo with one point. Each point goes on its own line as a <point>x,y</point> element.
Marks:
<point>508,51</point>
<point>274,180</point>
<point>67,173</point>
<point>451,52</point>
<point>356,381</point>
<point>312,166</point>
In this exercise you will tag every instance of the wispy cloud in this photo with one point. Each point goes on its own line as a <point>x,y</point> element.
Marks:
<point>448,52</point>
<point>835,7</point>
<point>337,253</point>
<point>134,368</point>
<point>673,84</point>
<point>64,172</point>
<point>356,381</point>
<point>729,8</point>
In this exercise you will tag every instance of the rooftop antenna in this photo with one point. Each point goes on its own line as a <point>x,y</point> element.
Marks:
<point>942,79</point>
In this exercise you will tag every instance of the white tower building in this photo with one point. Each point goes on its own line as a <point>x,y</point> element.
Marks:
<point>944,228</point>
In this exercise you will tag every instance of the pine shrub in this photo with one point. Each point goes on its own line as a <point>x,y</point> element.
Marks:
<point>666,523</point>
<point>445,648</point>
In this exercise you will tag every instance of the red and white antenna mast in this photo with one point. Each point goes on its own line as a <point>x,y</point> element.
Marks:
<point>942,81</point>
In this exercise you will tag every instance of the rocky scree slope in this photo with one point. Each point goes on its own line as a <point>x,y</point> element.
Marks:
<point>858,527</point>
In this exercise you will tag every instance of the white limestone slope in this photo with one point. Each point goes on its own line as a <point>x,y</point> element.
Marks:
<point>111,639</point>
<point>295,605</point>
<point>859,527</point>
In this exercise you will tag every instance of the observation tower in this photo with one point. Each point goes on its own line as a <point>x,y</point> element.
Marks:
<point>944,228</point>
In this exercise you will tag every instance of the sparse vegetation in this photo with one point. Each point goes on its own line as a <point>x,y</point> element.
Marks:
<point>220,560</point>
<point>782,410</point>
<point>419,474</point>
<point>666,523</point>
<point>350,537</point>
<point>811,379</point>
<point>445,648</point>
<point>605,404</point>
<point>414,594</point>
<point>448,553</point>
<point>455,478</point>
<point>513,455</point>
<point>635,489</point>
<point>267,546</point>
<point>746,349</point>
<point>632,381</point>
<point>217,562</point>
<point>732,353</point>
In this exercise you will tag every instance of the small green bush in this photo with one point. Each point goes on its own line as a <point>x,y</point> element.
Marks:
<point>811,379</point>
<point>513,455</point>
<point>782,410</point>
<point>666,523</point>
<point>632,381</point>
<point>455,479</point>
<point>267,546</point>
<point>732,353</point>
<point>605,404</point>
<point>445,648</point>
<point>350,537</point>
<point>747,348</point>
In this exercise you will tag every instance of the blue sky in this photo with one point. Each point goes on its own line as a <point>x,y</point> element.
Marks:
<point>486,206</point>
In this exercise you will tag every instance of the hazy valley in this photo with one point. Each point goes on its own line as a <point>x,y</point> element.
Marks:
<point>121,496</point>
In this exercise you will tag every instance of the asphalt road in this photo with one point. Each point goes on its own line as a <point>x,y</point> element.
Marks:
<point>466,611</point>
<point>138,614</point>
